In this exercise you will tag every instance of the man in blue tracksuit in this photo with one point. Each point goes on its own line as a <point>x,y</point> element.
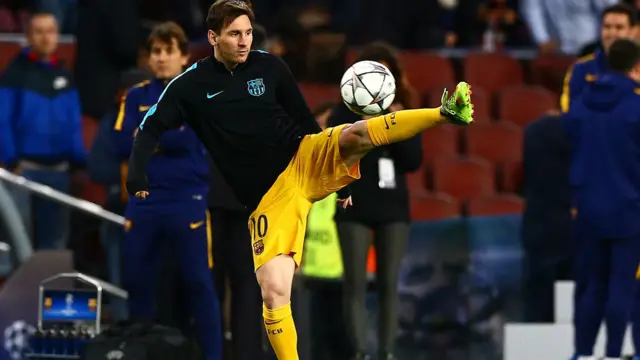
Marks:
<point>40,129</point>
<point>176,212</point>
<point>603,127</point>
<point>617,22</point>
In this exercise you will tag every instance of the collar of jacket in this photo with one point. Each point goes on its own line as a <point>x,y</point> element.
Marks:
<point>34,57</point>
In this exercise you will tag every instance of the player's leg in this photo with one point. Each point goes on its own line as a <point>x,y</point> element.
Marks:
<point>358,139</point>
<point>141,261</point>
<point>277,229</point>
<point>625,256</point>
<point>190,236</point>
<point>355,240</point>
<point>592,267</point>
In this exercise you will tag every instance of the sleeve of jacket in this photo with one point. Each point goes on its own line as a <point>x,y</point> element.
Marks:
<point>8,151</point>
<point>572,86</point>
<point>126,124</point>
<point>292,100</point>
<point>407,155</point>
<point>79,153</point>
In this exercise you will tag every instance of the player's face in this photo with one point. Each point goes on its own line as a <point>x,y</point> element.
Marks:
<point>234,41</point>
<point>43,35</point>
<point>166,60</point>
<point>614,26</point>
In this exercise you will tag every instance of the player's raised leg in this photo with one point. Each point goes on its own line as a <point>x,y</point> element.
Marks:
<point>358,139</point>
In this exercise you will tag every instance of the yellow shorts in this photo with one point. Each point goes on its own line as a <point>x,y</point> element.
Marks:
<point>278,224</point>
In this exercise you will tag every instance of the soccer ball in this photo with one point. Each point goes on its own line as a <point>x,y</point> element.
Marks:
<point>16,338</point>
<point>368,88</point>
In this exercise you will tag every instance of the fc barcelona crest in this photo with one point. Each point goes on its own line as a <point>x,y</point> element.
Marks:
<point>256,87</point>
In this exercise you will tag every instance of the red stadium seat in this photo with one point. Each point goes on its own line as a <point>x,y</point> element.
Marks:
<point>549,71</point>
<point>511,177</point>
<point>440,71</point>
<point>67,55</point>
<point>464,178</point>
<point>433,95</point>
<point>433,206</point>
<point>497,142</point>
<point>317,94</point>
<point>417,181</point>
<point>495,205</point>
<point>440,142</point>
<point>199,51</point>
<point>8,21</point>
<point>492,71</point>
<point>8,50</point>
<point>482,105</point>
<point>523,104</point>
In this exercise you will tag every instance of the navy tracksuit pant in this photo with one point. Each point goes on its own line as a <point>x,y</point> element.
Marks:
<point>184,227</point>
<point>605,272</point>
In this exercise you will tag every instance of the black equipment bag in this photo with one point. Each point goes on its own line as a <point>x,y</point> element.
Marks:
<point>140,341</point>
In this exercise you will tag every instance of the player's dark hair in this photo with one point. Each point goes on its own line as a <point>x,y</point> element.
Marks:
<point>223,12</point>
<point>383,52</point>
<point>624,9</point>
<point>623,55</point>
<point>165,33</point>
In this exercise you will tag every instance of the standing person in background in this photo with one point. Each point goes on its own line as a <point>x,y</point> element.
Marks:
<point>177,212</point>
<point>40,129</point>
<point>104,168</point>
<point>603,127</point>
<point>381,205</point>
<point>617,23</point>
<point>546,221</point>
<point>564,26</point>
<point>107,45</point>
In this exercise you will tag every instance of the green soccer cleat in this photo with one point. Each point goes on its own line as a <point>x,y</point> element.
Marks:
<point>458,108</point>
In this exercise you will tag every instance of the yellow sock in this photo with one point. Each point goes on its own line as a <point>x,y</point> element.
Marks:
<point>402,125</point>
<point>281,331</point>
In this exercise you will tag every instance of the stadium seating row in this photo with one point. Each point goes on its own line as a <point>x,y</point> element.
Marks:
<point>519,104</point>
<point>466,177</point>
<point>438,206</point>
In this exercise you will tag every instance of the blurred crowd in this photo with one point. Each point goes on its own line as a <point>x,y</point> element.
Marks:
<point>113,53</point>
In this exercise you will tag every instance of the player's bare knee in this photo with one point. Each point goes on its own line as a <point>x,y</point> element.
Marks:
<point>275,293</point>
<point>354,142</point>
<point>355,137</point>
<point>275,279</point>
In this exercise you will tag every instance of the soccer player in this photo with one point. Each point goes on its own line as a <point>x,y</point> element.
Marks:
<point>176,212</point>
<point>617,22</point>
<point>247,109</point>
<point>603,127</point>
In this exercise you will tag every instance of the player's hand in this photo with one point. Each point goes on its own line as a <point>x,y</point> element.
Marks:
<point>345,203</point>
<point>142,194</point>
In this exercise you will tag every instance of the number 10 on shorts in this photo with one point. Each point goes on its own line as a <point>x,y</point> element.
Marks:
<point>258,229</point>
